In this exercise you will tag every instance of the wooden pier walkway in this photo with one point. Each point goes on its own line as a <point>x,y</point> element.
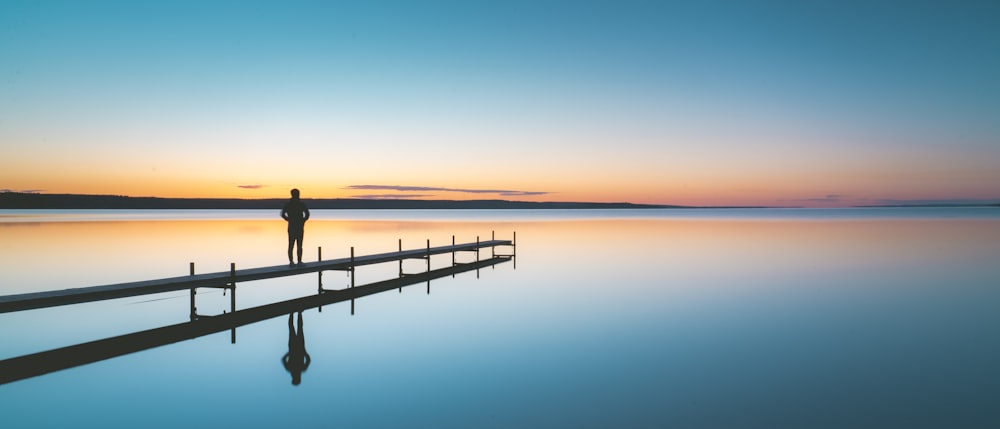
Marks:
<point>29,301</point>
<point>35,364</point>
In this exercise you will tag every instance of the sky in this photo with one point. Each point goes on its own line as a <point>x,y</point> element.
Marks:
<point>784,103</point>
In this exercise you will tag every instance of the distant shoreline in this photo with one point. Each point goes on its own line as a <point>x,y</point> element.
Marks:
<point>927,206</point>
<point>37,201</point>
<point>17,200</point>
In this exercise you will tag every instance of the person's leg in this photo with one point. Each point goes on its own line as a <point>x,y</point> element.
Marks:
<point>291,242</point>
<point>300,248</point>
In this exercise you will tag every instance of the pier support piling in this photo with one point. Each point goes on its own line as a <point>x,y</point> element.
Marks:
<point>428,265</point>
<point>319,274</point>
<point>194,310</point>
<point>232,295</point>
<point>351,273</point>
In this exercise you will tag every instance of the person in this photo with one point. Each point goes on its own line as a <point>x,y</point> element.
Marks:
<point>296,214</point>
<point>297,360</point>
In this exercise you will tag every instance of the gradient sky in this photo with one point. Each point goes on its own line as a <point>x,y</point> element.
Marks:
<point>695,103</point>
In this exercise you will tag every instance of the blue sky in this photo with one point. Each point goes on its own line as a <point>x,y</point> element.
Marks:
<point>668,102</point>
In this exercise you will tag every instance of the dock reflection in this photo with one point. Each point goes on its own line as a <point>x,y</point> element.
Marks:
<point>36,364</point>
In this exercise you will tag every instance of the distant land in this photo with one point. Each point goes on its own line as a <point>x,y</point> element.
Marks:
<point>19,200</point>
<point>931,205</point>
<point>30,200</point>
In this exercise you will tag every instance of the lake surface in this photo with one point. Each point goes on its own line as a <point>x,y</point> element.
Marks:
<point>794,318</point>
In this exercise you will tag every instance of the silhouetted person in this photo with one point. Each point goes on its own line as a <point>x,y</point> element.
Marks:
<point>296,214</point>
<point>296,361</point>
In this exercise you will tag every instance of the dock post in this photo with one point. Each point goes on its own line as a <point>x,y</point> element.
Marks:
<point>319,279</point>
<point>428,266</point>
<point>453,253</point>
<point>493,249</point>
<point>400,263</point>
<point>194,310</point>
<point>351,273</point>
<point>232,295</point>
<point>319,274</point>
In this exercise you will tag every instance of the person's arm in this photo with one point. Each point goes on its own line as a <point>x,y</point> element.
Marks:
<point>284,212</point>
<point>305,212</point>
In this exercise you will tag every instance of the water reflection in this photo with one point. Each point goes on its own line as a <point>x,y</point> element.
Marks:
<point>297,360</point>
<point>629,322</point>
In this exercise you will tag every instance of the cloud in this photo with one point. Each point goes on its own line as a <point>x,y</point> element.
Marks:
<point>828,199</point>
<point>250,186</point>
<point>390,196</point>
<point>523,193</point>
<point>935,202</point>
<point>23,191</point>
<point>398,188</point>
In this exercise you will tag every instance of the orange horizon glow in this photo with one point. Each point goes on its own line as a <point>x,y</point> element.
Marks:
<point>778,175</point>
<point>705,197</point>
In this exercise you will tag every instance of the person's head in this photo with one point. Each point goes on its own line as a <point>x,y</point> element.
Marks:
<point>295,194</point>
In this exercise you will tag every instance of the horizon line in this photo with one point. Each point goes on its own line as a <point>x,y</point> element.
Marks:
<point>953,202</point>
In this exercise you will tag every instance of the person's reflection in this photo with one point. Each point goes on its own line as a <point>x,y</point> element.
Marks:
<point>296,361</point>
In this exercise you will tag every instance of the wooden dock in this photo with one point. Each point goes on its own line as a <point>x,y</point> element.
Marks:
<point>229,279</point>
<point>36,364</point>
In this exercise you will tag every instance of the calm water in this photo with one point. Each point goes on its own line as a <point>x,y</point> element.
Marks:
<point>663,318</point>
